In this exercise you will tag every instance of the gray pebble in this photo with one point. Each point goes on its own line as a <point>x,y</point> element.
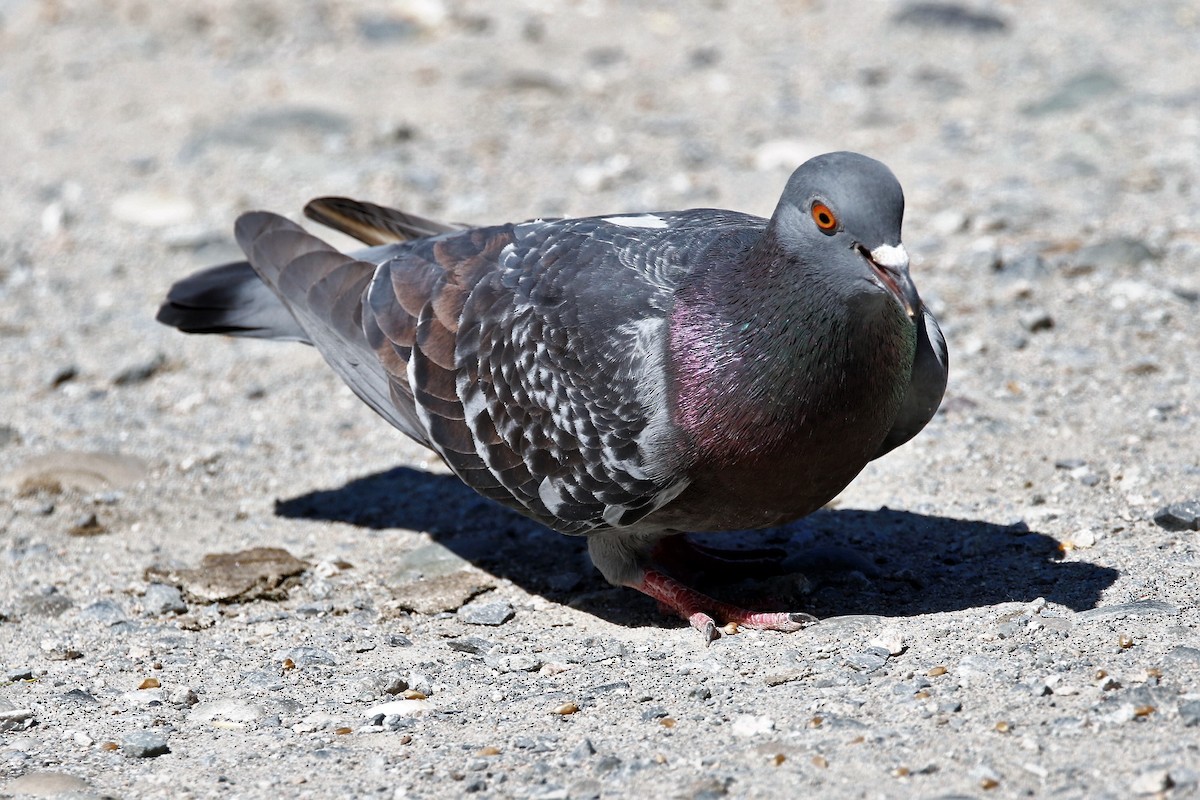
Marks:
<point>1189,713</point>
<point>474,645</point>
<point>80,696</point>
<point>869,660</point>
<point>519,662</point>
<point>105,612</point>
<point>1122,253</point>
<point>309,610</point>
<point>1183,516</point>
<point>950,17</point>
<point>141,372</point>
<point>18,674</point>
<point>144,744</point>
<point>585,750</point>
<point>1036,319</point>
<point>308,656</point>
<point>1183,654</point>
<point>162,599</point>
<point>45,604</point>
<point>1138,608</point>
<point>493,613</point>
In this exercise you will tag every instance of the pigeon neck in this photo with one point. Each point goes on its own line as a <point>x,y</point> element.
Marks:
<point>764,345</point>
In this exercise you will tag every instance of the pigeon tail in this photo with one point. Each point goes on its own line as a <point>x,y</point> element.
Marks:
<point>229,299</point>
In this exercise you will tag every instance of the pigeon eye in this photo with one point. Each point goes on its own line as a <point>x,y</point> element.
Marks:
<point>824,218</point>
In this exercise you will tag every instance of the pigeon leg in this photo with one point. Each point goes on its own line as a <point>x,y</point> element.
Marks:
<point>703,611</point>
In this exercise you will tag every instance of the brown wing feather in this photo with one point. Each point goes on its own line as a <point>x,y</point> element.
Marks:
<point>372,224</point>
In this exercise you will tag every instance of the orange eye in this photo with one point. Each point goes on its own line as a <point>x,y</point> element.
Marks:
<point>824,218</point>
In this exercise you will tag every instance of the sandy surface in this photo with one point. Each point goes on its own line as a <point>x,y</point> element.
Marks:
<point>1015,625</point>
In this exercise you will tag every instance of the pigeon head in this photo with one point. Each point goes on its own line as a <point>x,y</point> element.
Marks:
<point>844,210</point>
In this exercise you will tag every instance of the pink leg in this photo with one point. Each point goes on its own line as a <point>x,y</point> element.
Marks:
<point>696,608</point>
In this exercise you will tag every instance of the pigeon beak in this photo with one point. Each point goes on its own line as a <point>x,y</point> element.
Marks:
<point>890,263</point>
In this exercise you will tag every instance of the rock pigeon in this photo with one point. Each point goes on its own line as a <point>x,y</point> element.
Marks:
<point>628,377</point>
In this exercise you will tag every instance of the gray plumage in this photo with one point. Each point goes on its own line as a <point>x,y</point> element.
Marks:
<point>625,377</point>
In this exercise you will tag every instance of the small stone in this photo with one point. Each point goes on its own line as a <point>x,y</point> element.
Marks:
<point>80,696</point>
<point>1083,539</point>
<point>63,374</point>
<point>47,784</point>
<point>398,708</point>
<point>747,725</point>
<point>513,663</point>
<point>1138,608</point>
<point>87,525</point>
<point>950,17</point>
<point>1120,254</point>
<point>140,372</point>
<point>1183,654</point>
<point>869,660</point>
<point>18,674</point>
<point>583,751</point>
<point>162,599</point>
<point>105,612</point>
<point>470,644</point>
<point>183,697</point>
<point>1036,319</point>
<point>1189,713</point>
<point>305,656</point>
<point>1183,516</point>
<point>144,744</point>
<point>784,154</point>
<point>16,719</point>
<point>1152,781</point>
<point>153,209</point>
<point>486,613</point>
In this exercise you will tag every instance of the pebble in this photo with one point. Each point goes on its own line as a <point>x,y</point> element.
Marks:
<point>746,725</point>
<point>18,674</point>
<point>15,719</point>
<point>1183,516</point>
<point>1112,255</point>
<point>162,599</point>
<point>141,371</point>
<point>1152,781</point>
<point>513,663</point>
<point>784,154</point>
<point>1189,713</point>
<point>950,17</point>
<point>583,751</point>
<point>105,612</point>
<point>1074,93</point>
<point>1138,608</point>
<point>47,784</point>
<point>869,660</point>
<point>486,613</point>
<point>144,744</point>
<point>470,644</point>
<point>153,209</point>
<point>1036,319</point>
<point>398,708</point>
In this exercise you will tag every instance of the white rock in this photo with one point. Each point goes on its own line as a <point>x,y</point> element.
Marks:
<point>752,725</point>
<point>152,209</point>
<point>400,708</point>
<point>785,154</point>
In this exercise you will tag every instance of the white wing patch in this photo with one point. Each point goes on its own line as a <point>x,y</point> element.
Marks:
<point>637,221</point>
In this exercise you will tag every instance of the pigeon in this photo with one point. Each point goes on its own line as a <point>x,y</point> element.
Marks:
<point>629,378</point>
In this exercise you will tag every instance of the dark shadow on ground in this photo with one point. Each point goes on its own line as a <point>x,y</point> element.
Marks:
<point>891,563</point>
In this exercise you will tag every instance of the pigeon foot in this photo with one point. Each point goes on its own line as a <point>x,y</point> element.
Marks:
<point>703,612</point>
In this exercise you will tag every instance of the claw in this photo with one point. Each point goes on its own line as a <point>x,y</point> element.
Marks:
<point>696,608</point>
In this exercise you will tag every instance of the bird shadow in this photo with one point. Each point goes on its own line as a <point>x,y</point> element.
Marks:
<point>840,561</point>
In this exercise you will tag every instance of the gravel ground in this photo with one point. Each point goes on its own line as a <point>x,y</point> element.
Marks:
<point>1002,614</point>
